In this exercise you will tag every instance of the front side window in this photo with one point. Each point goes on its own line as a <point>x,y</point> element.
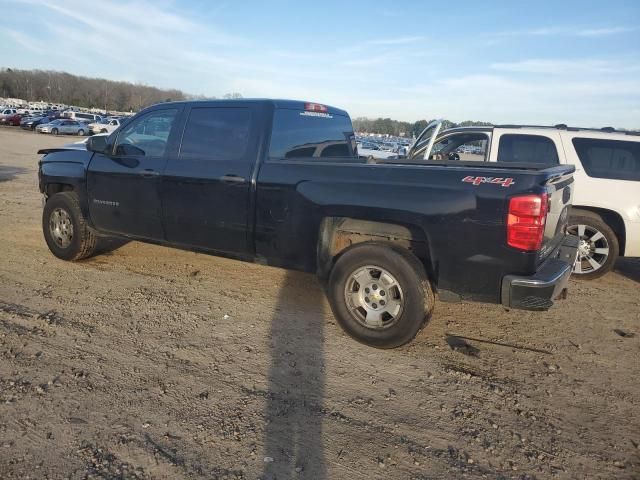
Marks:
<point>614,159</point>
<point>300,134</point>
<point>216,133</point>
<point>517,148</point>
<point>466,147</point>
<point>146,136</point>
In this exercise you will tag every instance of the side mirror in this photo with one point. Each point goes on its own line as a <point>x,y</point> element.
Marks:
<point>97,144</point>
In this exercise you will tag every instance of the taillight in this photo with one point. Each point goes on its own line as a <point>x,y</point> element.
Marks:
<point>526,220</point>
<point>315,107</point>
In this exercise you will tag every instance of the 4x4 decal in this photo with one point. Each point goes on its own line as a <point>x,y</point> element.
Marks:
<point>505,182</point>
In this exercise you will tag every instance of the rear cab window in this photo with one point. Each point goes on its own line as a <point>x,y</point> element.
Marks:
<point>611,159</point>
<point>308,135</point>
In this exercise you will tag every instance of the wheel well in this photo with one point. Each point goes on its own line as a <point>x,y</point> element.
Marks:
<point>337,234</point>
<point>611,218</point>
<point>53,188</point>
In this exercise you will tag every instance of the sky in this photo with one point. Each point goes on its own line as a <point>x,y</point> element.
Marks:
<point>542,62</point>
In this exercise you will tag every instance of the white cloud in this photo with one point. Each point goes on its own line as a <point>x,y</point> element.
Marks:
<point>396,41</point>
<point>567,31</point>
<point>23,40</point>
<point>568,66</point>
<point>601,32</point>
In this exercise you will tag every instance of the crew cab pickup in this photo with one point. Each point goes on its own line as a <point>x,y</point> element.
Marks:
<point>280,183</point>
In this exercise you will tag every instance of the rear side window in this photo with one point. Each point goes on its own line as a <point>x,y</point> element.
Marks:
<point>216,133</point>
<point>527,149</point>
<point>614,159</point>
<point>300,134</point>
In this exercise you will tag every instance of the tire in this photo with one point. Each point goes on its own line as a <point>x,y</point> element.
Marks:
<point>104,130</point>
<point>54,131</point>
<point>601,252</point>
<point>81,241</point>
<point>80,133</point>
<point>413,293</point>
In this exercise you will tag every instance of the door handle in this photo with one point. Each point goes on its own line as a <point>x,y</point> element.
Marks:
<point>233,179</point>
<point>148,173</point>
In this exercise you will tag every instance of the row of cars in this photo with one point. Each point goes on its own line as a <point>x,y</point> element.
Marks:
<point>60,122</point>
<point>382,148</point>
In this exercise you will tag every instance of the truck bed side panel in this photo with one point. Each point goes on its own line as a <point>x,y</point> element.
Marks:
<point>464,224</point>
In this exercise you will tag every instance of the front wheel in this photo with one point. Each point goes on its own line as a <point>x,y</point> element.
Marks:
<point>380,294</point>
<point>598,249</point>
<point>65,229</point>
<point>80,133</point>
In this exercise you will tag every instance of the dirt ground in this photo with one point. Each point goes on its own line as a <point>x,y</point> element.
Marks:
<point>148,362</point>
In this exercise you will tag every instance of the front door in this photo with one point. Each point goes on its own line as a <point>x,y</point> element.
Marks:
<point>206,187</point>
<point>123,186</point>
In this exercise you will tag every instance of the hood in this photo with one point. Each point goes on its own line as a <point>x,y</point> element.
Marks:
<point>67,154</point>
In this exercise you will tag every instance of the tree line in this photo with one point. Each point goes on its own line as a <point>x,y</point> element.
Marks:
<point>65,88</point>
<point>397,128</point>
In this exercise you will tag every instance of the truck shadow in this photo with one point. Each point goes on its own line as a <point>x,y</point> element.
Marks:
<point>107,245</point>
<point>293,438</point>
<point>629,267</point>
<point>8,173</point>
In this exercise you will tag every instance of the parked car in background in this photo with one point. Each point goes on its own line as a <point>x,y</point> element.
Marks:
<point>63,126</point>
<point>54,114</point>
<point>81,116</point>
<point>30,123</point>
<point>14,119</point>
<point>606,207</point>
<point>372,150</point>
<point>7,112</point>
<point>107,125</point>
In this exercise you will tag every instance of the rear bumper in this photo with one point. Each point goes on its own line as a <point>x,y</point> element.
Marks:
<point>538,291</point>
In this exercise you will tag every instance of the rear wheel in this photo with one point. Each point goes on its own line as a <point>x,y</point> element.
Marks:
<point>65,229</point>
<point>80,132</point>
<point>54,131</point>
<point>598,248</point>
<point>380,295</point>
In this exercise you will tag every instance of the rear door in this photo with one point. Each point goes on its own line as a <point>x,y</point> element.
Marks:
<point>69,127</point>
<point>206,186</point>
<point>124,186</point>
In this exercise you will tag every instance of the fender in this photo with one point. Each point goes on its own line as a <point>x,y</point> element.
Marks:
<point>65,169</point>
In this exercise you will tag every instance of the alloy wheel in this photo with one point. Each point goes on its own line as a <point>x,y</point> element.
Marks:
<point>61,227</point>
<point>374,297</point>
<point>593,249</point>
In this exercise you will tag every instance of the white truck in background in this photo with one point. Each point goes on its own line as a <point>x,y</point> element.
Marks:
<point>606,206</point>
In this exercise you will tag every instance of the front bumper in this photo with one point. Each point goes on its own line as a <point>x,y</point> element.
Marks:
<point>538,291</point>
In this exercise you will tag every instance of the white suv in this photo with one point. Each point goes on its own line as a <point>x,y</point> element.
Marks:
<point>606,205</point>
<point>104,126</point>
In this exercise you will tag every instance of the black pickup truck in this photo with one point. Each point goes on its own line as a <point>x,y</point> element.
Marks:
<point>280,183</point>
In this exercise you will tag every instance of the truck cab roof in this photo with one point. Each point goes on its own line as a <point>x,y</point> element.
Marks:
<point>275,103</point>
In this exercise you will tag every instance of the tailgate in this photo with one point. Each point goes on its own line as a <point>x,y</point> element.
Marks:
<point>559,186</point>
